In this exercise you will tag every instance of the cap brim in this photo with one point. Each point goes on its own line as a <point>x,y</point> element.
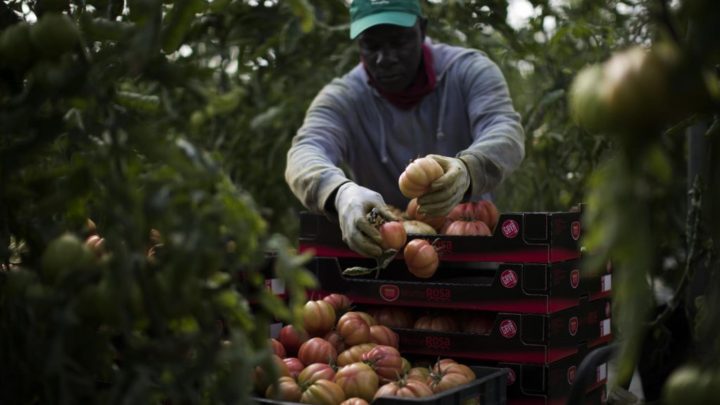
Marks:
<point>388,17</point>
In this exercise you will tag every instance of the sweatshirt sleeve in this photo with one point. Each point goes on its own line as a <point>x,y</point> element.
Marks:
<point>318,148</point>
<point>498,145</point>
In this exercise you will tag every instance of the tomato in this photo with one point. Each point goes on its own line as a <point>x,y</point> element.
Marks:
<point>358,380</point>
<point>692,385</point>
<point>317,350</point>
<point>354,401</point>
<point>382,335</point>
<point>278,348</point>
<point>393,235</point>
<point>418,175</point>
<point>323,392</point>
<point>421,258</point>
<point>354,354</point>
<point>493,215</point>
<point>441,323</point>
<point>336,341</point>
<point>285,389</point>
<point>418,373</point>
<point>449,374</point>
<point>385,360</point>
<point>416,227</point>
<point>364,315</point>
<point>353,329</point>
<point>294,366</point>
<point>318,317</point>
<point>412,212</point>
<point>404,389</point>
<point>262,379</point>
<point>314,372</point>
<point>406,366</point>
<point>481,324</point>
<point>291,339</point>
<point>340,303</point>
<point>394,317</point>
<point>468,228</point>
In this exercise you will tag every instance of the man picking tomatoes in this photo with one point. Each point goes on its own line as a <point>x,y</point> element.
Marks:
<point>408,98</point>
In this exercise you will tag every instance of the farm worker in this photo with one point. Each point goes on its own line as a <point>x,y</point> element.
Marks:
<point>408,98</point>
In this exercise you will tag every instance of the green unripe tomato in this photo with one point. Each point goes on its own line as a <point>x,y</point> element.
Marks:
<point>54,34</point>
<point>15,47</point>
<point>65,255</point>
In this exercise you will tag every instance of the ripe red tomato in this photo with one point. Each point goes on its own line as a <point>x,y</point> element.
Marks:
<point>418,175</point>
<point>317,350</point>
<point>354,401</point>
<point>382,335</point>
<point>421,258</point>
<point>353,329</point>
<point>386,361</point>
<point>358,380</point>
<point>340,303</point>
<point>481,324</point>
<point>354,354</point>
<point>278,348</point>
<point>291,339</point>
<point>404,389</point>
<point>314,372</point>
<point>468,228</point>
<point>262,378</point>
<point>318,317</point>
<point>323,392</point>
<point>442,323</point>
<point>364,315</point>
<point>449,374</point>
<point>336,341</point>
<point>412,212</point>
<point>294,366</point>
<point>393,235</point>
<point>394,317</point>
<point>286,389</point>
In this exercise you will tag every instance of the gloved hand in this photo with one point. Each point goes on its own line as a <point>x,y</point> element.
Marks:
<point>353,203</point>
<point>447,191</point>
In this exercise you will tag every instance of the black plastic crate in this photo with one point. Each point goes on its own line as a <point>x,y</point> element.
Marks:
<point>489,388</point>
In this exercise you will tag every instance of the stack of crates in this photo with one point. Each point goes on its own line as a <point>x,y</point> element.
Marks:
<point>541,315</point>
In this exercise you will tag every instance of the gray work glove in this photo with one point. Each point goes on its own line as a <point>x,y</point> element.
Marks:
<point>353,203</point>
<point>447,191</point>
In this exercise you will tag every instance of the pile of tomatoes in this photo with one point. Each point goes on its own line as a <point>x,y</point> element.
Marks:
<point>343,356</point>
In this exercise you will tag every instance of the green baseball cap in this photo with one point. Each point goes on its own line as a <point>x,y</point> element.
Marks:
<point>369,13</point>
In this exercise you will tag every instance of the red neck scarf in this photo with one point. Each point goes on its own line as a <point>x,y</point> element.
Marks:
<point>424,83</point>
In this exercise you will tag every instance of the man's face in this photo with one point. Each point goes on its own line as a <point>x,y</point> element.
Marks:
<point>392,54</point>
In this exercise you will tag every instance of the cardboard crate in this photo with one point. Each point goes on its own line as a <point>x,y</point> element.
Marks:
<point>487,389</point>
<point>548,383</point>
<point>530,237</point>
<point>519,337</point>
<point>539,288</point>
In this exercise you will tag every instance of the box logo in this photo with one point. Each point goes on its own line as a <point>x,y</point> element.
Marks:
<point>389,292</point>
<point>571,374</point>
<point>508,328</point>
<point>511,377</point>
<point>575,230</point>
<point>508,278</point>
<point>575,278</point>
<point>510,228</point>
<point>573,325</point>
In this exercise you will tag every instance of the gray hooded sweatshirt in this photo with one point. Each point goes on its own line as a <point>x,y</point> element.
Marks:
<point>352,133</point>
